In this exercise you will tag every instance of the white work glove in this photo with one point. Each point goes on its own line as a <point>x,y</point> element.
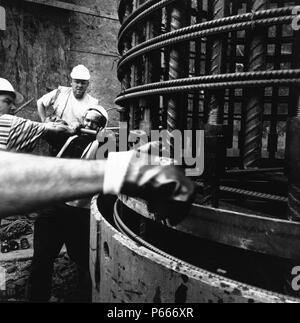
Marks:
<point>138,174</point>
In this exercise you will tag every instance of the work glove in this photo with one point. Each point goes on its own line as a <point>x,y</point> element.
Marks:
<point>137,174</point>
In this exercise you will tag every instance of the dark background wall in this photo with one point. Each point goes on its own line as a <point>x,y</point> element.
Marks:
<point>42,44</point>
<point>94,43</point>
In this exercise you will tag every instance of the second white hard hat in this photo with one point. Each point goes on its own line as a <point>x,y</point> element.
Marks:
<point>6,86</point>
<point>100,109</point>
<point>80,72</point>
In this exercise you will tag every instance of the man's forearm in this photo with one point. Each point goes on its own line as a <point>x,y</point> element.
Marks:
<point>52,128</point>
<point>30,182</point>
<point>41,111</point>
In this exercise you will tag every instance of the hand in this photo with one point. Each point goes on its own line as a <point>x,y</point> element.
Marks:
<point>76,126</point>
<point>60,128</point>
<point>137,174</point>
<point>55,119</point>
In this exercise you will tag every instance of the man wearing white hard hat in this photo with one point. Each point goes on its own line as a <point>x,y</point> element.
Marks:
<point>67,104</point>
<point>18,134</point>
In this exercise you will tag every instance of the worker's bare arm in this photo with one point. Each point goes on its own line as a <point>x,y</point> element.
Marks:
<point>41,110</point>
<point>53,128</point>
<point>30,182</point>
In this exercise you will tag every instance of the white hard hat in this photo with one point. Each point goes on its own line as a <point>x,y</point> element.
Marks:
<point>5,86</point>
<point>80,72</point>
<point>100,109</point>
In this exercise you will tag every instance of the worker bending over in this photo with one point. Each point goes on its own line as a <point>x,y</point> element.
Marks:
<point>66,223</point>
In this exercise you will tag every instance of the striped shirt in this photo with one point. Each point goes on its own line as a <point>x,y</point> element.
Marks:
<point>17,134</point>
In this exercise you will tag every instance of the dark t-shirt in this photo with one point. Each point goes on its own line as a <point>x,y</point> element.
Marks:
<point>77,147</point>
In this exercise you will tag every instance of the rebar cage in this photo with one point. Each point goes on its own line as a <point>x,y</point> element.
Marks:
<point>193,64</point>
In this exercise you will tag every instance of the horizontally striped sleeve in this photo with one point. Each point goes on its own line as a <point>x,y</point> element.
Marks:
<point>5,126</point>
<point>24,134</point>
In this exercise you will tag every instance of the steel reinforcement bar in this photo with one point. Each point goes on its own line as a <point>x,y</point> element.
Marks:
<point>151,6</point>
<point>271,13</point>
<point>139,14</point>
<point>180,57</point>
<point>209,86</point>
<point>246,76</point>
<point>205,33</point>
<point>254,106</point>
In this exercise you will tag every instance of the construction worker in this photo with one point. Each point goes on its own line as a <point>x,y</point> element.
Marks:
<point>66,223</point>
<point>95,119</point>
<point>30,182</point>
<point>67,104</point>
<point>18,134</point>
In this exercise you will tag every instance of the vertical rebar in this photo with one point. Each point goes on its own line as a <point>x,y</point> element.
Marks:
<point>214,132</point>
<point>254,105</point>
<point>136,74</point>
<point>166,27</point>
<point>233,65</point>
<point>198,58</point>
<point>220,9</point>
<point>273,135</point>
<point>293,140</point>
<point>150,120</point>
<point>126,79</point>
<point>178,68</point>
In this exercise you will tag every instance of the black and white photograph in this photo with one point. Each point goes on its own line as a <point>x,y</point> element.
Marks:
<point>149,154</point>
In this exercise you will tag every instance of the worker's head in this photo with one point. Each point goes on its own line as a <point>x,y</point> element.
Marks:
<point>95,119</point>
<point>80,81</point>
<point>8,97</point>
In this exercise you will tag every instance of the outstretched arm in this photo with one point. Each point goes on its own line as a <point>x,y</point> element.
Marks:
<point>56,128</point>
<point>31,182</point>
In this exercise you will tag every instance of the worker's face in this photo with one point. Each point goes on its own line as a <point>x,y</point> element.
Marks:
<point>7,104</point>
<point>92,121</point>
<point>79,88</point>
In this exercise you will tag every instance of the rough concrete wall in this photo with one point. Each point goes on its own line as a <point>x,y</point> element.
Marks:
<point>34,49</point>
<point>42,44</point>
